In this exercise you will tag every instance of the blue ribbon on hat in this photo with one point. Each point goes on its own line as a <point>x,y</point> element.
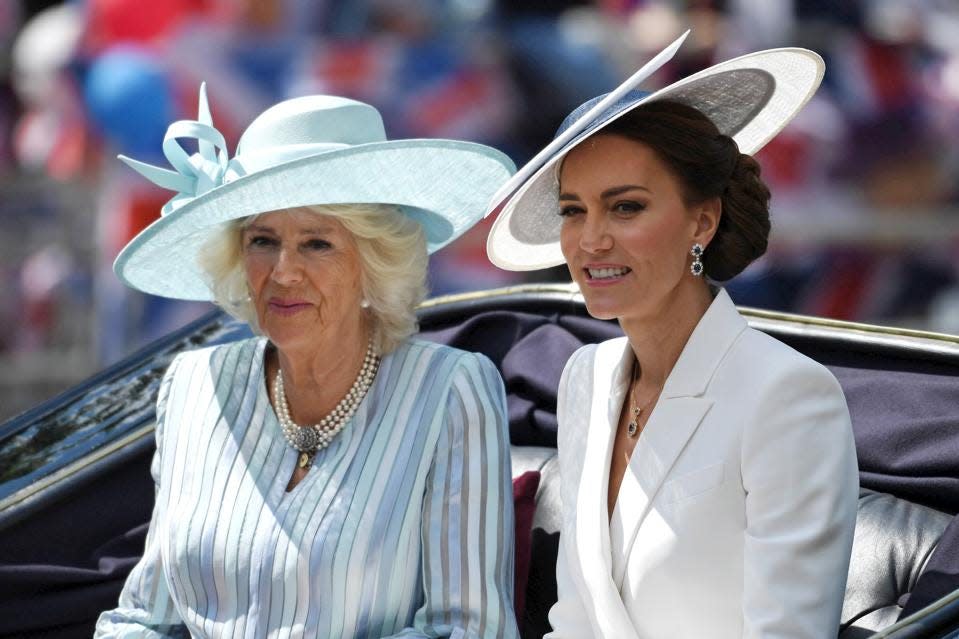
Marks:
<point>195,174</point>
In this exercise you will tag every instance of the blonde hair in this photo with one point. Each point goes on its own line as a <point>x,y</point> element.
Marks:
<point>393,258</point>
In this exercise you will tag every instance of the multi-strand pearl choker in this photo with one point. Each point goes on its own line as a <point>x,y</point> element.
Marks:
<point>311,439</point>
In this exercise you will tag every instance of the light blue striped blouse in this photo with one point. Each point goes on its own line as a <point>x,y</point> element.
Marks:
<point>403,527</point>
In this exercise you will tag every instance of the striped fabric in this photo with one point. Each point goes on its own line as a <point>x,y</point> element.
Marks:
<point>402,528</point>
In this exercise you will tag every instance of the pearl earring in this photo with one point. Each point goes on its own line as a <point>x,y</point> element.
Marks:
<point>364,303</point>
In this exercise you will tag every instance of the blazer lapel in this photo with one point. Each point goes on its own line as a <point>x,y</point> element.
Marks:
<point>670,426</point>
<point>676,417</point>
<point>606,607</point>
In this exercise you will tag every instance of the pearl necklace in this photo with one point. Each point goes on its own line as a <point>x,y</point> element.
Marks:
<point>311,439</point>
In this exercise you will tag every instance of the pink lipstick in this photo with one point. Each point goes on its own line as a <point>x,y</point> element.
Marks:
<point>287,306</point>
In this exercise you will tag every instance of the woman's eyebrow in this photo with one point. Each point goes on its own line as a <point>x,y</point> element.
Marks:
<point>262,228</point>
<point>608,193</point>
<point>619,190</point>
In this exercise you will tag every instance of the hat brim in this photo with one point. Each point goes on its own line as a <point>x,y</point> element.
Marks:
<point>750,98</point>
<point>444,185</point>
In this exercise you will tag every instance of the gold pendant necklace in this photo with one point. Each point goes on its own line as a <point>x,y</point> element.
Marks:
<point>632,427</point>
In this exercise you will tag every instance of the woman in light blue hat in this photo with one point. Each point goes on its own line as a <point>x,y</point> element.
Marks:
<point>708,471</point>
<point>333,477</point>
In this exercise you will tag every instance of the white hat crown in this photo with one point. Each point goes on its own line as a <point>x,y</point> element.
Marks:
<point>305,126</point>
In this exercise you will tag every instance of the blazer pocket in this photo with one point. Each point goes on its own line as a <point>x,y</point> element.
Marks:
<point>693,483</point>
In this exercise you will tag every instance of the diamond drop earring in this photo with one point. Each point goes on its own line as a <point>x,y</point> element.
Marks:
<point>696,268</point>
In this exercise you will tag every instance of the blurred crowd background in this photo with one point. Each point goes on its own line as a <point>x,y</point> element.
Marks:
<point>865,181</point>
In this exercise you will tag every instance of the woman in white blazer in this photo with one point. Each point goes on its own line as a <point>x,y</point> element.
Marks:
<point>709,474</point>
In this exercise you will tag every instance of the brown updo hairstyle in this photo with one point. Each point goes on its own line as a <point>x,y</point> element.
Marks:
<point>707,164</point>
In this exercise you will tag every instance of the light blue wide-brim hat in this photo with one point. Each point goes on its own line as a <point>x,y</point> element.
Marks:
<point>750,98</point>
<point>307,151</point>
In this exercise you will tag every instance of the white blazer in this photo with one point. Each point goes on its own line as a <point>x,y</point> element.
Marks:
<point>736,513</point>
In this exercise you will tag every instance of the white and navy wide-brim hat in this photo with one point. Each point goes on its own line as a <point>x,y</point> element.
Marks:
<point>750,98</point>
<point>307,151</point>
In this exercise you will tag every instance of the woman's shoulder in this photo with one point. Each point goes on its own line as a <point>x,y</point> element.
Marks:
<point>216,359</point>
<point>437,354</point>
<point>763,360</point>
<point>433,366</point>
<point>586,356</point>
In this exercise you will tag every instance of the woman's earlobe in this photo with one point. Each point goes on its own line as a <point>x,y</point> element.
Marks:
<point>709,215</point>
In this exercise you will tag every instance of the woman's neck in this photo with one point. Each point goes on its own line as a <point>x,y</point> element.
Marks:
<point>318,374</point>
<point>658,340</point>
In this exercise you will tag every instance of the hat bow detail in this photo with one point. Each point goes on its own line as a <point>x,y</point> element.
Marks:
<point>195,174</point>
